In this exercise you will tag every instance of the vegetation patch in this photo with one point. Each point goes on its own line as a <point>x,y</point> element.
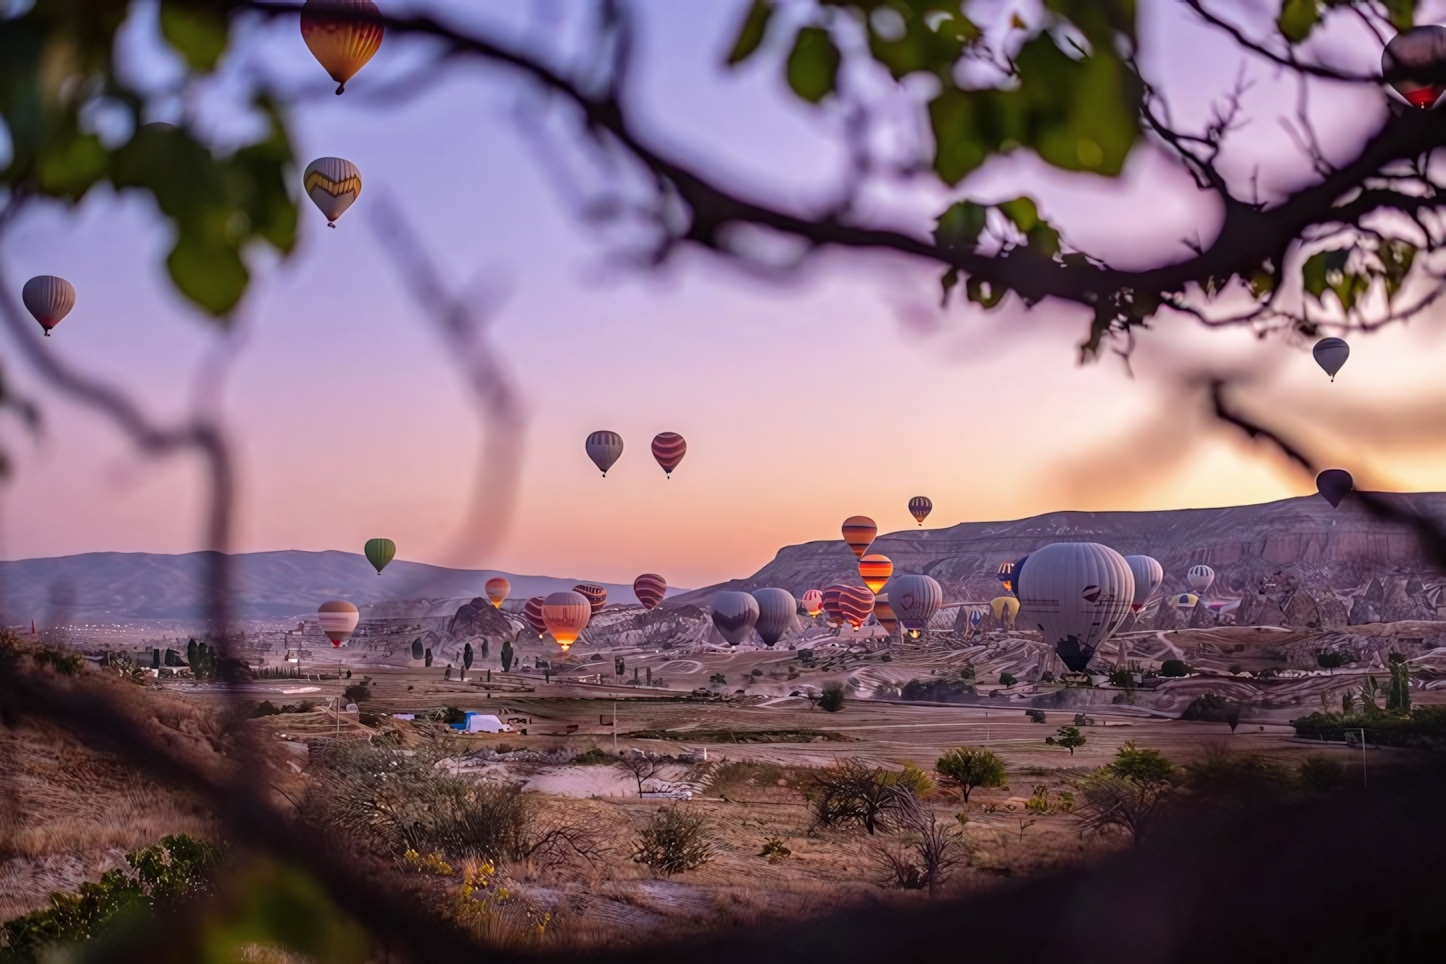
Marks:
<point>743,736</point>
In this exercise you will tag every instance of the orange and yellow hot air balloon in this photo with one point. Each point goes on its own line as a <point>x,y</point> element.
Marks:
<point>859,532</point>
<point>497,589</point>
<point>566,615</point>
<point>340,36</point>
<point>875,570</point>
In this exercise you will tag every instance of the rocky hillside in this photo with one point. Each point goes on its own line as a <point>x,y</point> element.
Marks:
<point>1303,541</point>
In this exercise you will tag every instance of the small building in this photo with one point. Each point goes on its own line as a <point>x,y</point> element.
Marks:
<point>482,723</point>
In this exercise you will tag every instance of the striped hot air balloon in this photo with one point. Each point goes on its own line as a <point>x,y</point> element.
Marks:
<point>497,589</point>
<point>1200,578</point>
<point>379,552</point>
<point>1006,575</point>
<point>859,532</point>
<point>566,615</point>
<point>884,613</point>
<point>919,507</point>
<point>604,448</point>
<point>338,619</point>
<point>650,589</point>
<point>855,603</point>
<point>813,602</point>
<point>776,612</point>
<point>875,570</point>
<point>532,612</point>
<point>596,596</point>
<point>333,184</point>
<point>915,599</point>
<point>49,299</point>
<point>831,596</point>
<point>735,614</point>
<point>340,43</point>
<point>669,449</point>
<point>1149,574</point>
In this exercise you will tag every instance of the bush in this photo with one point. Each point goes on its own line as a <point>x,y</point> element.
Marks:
<point>938,690</point>
<point>1068,737</point>
<point>593,756</point>
<point>1174,668</point>
<point>911,778</point>
<point>775,850</point>
<point>673,841</point>
<point>360,692</point>
<point>1122,678</point>
<point>1007,679</point>
<point>832,699</point>
<point>850,793</point>
<point>1145,766</point>
<point>264,708</point>
<point>718,679</point>
<point>1035,716</point>
<point>1225,776</point>
<point>1213,709</point>
<point>967,767</point>
<point>1318,773</point>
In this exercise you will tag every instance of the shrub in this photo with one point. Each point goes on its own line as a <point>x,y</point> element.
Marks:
<point>967,767</point>
<point>1213,709</point>
<point>1007,679</point>
<point>1115,802</point>
<point>1222,775</point>
<point>673,841</point>
<point>850,793</point>
<point>360,692</point>
<point>1122,678</point>
<point>756,672</point>
<point>1035,716</point>
<point>1174,668</point>
<point>775,850</point>
<point>1318,773</point>
<point>911,778</point>
<point>832,699</point>
<point>718,679</point>
<point>264,708</point>
<point>1330,660</point>
<point>593,756</point>
<point>1068,737</point>
<point>1145,766</point>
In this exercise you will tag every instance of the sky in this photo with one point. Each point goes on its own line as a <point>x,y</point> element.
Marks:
<point>843,391</point>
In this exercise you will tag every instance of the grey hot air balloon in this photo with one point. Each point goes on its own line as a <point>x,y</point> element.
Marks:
<point>1330,354</point>
<point>1077,594</point>
<point>1149,574</point>
<point>914,599</point>
<point>1200,578</point>
<point>49,299</point>
<point>604,448</point>
<point>333,184</point>
<point>735,614</point>
<point>776,612</point>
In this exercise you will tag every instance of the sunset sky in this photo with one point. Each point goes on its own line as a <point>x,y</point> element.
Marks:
<point>847,391</point>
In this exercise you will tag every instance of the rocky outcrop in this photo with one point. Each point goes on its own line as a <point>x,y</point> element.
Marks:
<point>1201,617</point>
<point>1333,612</point>
<point>1400,605</point>
<point>480,618</point>
<point>1169,618</point>
<point>1301,611</point>
<point>1363,612</point>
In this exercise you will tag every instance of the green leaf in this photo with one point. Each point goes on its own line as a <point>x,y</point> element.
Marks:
<point>813,64</point>
<point>1313,274</point>
<point>1298,18</point>
<point>199,35</point>
<point>1043,240</point>
<point>751,32</point>
<point>1022,211</point>
<point>936,32</point>
<point>1401,13</point>
<point>209,272</point>
<point>960,225</point>
<point>1396,258</point>
<point>948,283</point>
<point>983,293</point>
<point>70,167</point>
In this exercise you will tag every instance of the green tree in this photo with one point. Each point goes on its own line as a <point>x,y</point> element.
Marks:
<point>1146,766</point>
<point>191,651</point>
<point>1068,737</point>
<point>832,699</point>
<point>1398,699</point>
<point>967,767</point>
<point>506,656</point>
<point>1174,667</point>
<point>466,659</point>
<point>1330,660</point>
<point>718,679</point>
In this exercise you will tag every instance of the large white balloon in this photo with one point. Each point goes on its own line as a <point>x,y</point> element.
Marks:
<point>1077,594</point>
<point>914,599</point>
<point>1149,574</point>
<point>776,612</point>
<point>1200,578</point>
<point>735,614</point>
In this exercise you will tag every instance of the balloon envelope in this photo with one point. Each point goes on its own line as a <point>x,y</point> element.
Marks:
<point>1200,578</point>
<point>1077,593</point>
<point>566,615</point>
<point>875,570</point>
<point>49,299</point>
<point>735,614</point>
<point>650,588</point>
<point>776,611</point>
<point>669,449</point>
<point>532,612</point>
<point>1334,485</point>
<point>831,605</point>
<point>379,552</point>
<point>1149,574</point>
<point>340,44</point>
<point>1421,48</point>
<point>919,507</point>
<point>915,599</point>
<point>338,619</point>
<point>596,596</point>
<point>1330,354</point>
<point>1004,608</point>
<point>859,532</point>
<point>855,603</point>
<point>813,602</point>
<point>333,184</point>
<point>1184,600</point>
<point>604,448</point>
<point>497,589</point>
<point>885,614</point>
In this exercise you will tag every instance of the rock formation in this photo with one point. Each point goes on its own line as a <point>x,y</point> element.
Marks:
<point>479,618</point>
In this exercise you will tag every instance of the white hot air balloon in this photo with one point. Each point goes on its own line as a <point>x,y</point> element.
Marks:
<point>735,614</point>
<point>333,184</point>
<point>604,448</point>
<point>1077,594</point>
<point>1149,574</point>
<point>777,610</point>
<point>1200,578</point>
<point>914,600</point>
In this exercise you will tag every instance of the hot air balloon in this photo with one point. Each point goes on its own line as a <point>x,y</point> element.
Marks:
<point>915,599</point>
<point>1184,600</point>
<point>669,449</point>
<point>976,616</point>
<point>875,570</point>
<point>497,589</point>
<point>341,45</point>
<point>604,448</point>
<point>813,602</point>
<point>776,612</point>
<point>735,614</point>
<point>1200,578</point>
<point>338,619</point>
<point>49,299</point>
<point>1330,354</point>
<point>831,596</point>
<point>859,532</point>
<point>650,589</point>
<point>1006,575</point>
<point>1078,594</point>
<point>1334,485</point>
<point>566,615</point>
<point>1420,49</point>
<point>1004,608</point>
<point>333,184</point>
<point>379,552</point>
<point>854,604</point>
<point>919,507</point>
<point>532,612</point>
<point>1149,574</point>
<point>885,614</point>
<point>596,596</point>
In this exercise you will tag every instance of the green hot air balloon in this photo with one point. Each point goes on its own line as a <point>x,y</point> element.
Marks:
<point>380,552</point>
